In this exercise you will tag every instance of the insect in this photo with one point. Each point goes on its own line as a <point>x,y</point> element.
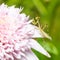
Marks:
<point>36,22</point>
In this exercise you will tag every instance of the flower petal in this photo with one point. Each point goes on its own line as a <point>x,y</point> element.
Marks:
<point>23,58</point>
<point>31,56</point>
<point>37,34</point>
<point>35,45</point>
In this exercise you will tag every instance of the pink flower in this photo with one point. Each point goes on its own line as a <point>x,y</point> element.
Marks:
<point>17,35</point>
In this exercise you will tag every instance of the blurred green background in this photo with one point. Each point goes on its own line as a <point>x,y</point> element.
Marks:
<point>49,13</point>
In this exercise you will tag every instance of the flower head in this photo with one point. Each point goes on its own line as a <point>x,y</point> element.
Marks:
<point>17,35</point>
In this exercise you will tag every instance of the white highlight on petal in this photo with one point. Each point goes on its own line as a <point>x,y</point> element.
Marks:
<point>35,45</point>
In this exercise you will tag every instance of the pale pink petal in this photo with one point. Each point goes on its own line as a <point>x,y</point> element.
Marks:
<point>23,58</point>
<point>35,45</point>
<point>31,56</point>
<point>37,34</point>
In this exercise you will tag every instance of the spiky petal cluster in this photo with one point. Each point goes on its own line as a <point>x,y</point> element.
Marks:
<point>16,35</point>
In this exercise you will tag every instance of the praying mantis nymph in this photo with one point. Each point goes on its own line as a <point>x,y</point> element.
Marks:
<point>36,22</point>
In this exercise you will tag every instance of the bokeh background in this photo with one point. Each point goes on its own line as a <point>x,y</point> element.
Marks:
<point>49,13</point>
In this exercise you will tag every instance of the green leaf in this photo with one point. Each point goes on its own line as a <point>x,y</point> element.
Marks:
<point>48,46</point>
